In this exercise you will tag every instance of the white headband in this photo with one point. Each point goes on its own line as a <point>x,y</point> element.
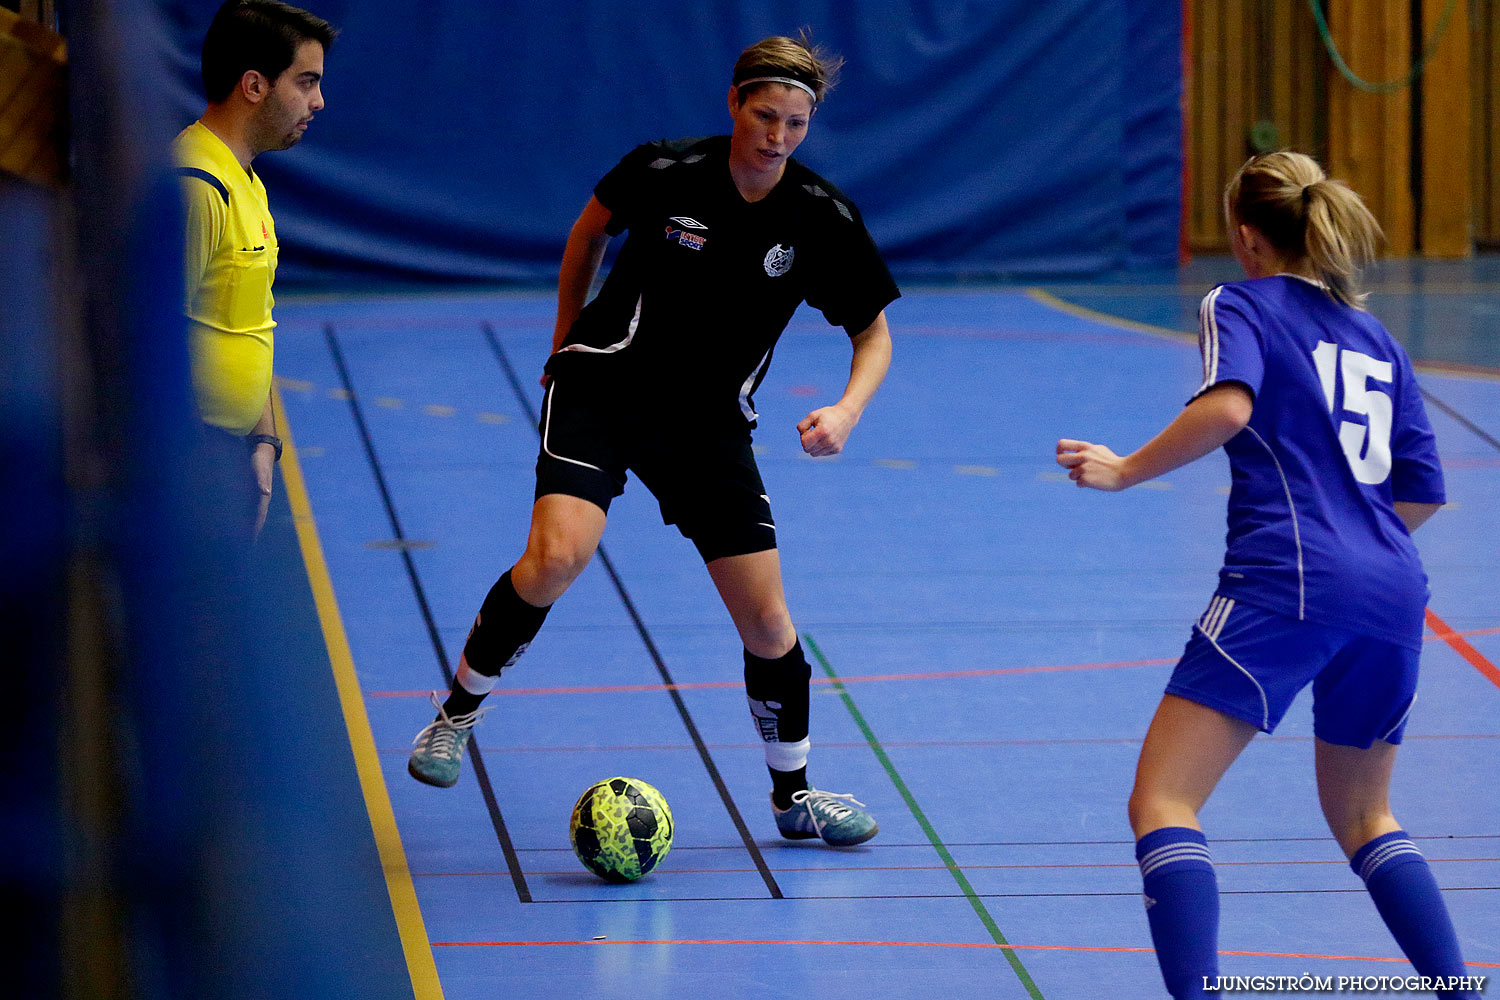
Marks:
<point>780,79</point>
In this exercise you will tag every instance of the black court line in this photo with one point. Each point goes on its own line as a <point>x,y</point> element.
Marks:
<point>518,877</point>
<point>1325,839</point>
<point>1465,421</point>
<point>656,657</point>
<point>1135,894</point>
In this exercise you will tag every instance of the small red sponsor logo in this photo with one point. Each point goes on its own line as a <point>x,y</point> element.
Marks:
<point>690,240</point>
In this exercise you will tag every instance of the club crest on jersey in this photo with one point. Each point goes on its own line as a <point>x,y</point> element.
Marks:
<point>779,260</point>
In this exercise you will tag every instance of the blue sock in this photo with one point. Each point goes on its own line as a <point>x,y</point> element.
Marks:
<point>1411,905</point>
<point>1182,906</point>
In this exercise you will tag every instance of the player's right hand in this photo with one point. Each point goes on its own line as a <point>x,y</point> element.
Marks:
<point>1092,465</point>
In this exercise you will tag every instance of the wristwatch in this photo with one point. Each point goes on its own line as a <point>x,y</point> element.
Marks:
<point>251,440</point>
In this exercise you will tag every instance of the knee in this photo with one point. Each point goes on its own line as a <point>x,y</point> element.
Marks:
<point>1148,810</point>
<point>555,558</point>
<point>1356,827</point>
<point>768,631</point>
<point>1136,809</point>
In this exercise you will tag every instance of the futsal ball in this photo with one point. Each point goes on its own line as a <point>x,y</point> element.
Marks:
<point>621,829</point>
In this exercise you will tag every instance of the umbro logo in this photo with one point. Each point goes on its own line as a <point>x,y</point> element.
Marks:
<point>687,223</point>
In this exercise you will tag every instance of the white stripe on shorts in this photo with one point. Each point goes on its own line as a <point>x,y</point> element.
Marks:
<point>1409,706</point>
<point>1214,619</point>
<point>1265,705</point>
<point>547,429</point>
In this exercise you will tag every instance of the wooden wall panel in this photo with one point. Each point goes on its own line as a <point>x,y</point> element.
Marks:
<point>1262,60</point>
<point>1203,127</point>
<point>1369,135</point>
<point>1253,61</point>
<point>1238,90</point>
<point>1484,69</point>
<point>33,100</point>
<point>42,11</point>
<point>1446,216</point>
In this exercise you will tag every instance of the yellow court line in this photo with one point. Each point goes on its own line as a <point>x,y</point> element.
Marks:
<point>1046,298</point>
<point>1107,319</point>
<point>413,932</point>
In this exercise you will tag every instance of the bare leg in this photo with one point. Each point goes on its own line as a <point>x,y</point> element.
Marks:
<point>777,678</point>
<point>1187,750</point>
<point>565,532</point>
<point>1354,789</point>
<point>750,586</point>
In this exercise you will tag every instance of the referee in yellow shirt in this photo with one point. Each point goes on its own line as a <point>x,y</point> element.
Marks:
<point>262,75</point>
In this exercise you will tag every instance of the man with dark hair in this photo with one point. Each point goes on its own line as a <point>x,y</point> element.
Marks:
<point>262,75</point>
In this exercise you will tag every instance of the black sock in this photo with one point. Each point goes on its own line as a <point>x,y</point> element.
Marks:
<point>777,691</point>
<point>784,783</point>
<point>502,630</point>
<point>461,702</point>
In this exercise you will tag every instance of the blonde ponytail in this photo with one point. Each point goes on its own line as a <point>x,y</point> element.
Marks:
<point>1308,218</point>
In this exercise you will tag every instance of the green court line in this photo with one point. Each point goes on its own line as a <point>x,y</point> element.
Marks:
<point>921,817</point>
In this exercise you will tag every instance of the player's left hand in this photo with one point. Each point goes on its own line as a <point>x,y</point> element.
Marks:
<point>262,464</point>
<point>1092,465</point>
<point>825,430</point>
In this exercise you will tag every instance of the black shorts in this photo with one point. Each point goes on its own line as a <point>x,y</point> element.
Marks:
<point>709,487</point>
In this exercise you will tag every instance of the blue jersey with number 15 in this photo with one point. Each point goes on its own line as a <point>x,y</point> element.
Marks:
<point>1338,433</point>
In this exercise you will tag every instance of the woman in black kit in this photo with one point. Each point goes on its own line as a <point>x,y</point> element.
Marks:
<point>728,236</point>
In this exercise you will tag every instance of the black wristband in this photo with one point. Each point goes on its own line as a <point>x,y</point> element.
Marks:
<point>271,439</point>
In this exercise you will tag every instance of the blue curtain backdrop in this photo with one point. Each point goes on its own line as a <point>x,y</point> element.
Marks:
<point>979,139</point>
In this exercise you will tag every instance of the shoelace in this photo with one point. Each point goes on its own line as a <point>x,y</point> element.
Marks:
<point>442,732</point>
<point>831,802</point>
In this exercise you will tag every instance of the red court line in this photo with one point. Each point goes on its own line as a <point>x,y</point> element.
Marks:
<point>974,332</point>
<point>1462,648</point>
<point>1471,463</point>
<point>673,870</point>
<point>921,744</point>
<point>711,685</point>
<point>924,944</point>
<point>1443,632</point>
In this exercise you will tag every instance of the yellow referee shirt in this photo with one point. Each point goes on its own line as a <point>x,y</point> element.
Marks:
<point>229,265</point>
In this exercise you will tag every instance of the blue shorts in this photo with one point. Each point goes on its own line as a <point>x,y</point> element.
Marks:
<point>1249,664</point>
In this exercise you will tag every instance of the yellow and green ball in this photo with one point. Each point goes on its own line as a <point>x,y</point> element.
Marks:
<point>621,829</point>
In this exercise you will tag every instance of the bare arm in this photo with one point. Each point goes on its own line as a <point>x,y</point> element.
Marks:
<point>263,463</point>
<point>582,257</point>
<point>1202,426</point>
<point>1414,515</point>
<point>824,431</point>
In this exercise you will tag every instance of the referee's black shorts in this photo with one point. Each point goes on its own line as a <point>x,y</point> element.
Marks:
<point>709,487</point>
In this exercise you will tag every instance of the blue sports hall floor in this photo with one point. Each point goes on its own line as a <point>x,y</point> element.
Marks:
<point>988,643</point>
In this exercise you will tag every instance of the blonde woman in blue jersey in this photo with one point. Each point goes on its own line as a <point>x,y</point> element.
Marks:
<point>1333,466</point>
